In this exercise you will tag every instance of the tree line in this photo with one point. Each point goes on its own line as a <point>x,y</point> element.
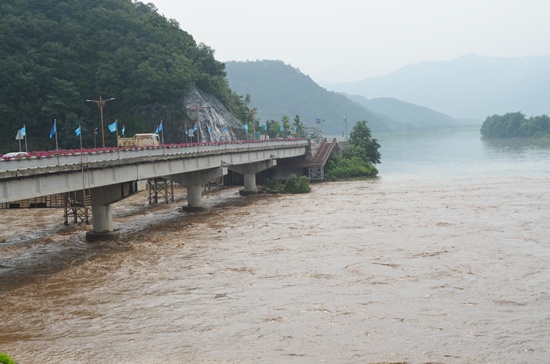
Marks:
<point>514,125</point>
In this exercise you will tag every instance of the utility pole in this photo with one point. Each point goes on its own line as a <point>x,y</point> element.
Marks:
<point>346,122</point>
<point>101,103</point>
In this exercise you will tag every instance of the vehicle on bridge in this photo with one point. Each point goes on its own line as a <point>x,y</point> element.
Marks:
<point>15,155</point>
<point>140,140</point>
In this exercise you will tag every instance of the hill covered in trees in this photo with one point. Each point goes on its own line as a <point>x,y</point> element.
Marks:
<point>516,125</point>
<point>276,88</point>
<point>54,55</point>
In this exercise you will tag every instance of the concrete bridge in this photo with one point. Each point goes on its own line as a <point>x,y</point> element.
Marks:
<point>111,176</point>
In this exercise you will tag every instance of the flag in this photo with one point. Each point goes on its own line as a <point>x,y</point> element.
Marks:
<point>195,127</point>
<point>159,127</point>
<point>281,129</point>
<point>208,130</point>
<point>123,129</point>
<point>245,127</point>
<point>21,134</point>
<point>78,131</point>
<point>53,131</point>
<point>113,127</point>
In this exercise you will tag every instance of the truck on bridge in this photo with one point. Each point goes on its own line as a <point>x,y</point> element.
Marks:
<point>140,140</point>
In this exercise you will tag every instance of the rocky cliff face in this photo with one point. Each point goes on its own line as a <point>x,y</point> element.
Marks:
<point>213,120</point>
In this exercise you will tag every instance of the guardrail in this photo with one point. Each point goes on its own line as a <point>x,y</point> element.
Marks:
<point>70,158</point>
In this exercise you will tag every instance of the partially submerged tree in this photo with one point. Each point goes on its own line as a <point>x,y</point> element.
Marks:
<point>361,137</point>
<point>358,158</point>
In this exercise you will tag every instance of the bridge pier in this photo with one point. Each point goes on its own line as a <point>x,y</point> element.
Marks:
<point>194,181</point>
<point>249,174</point>
<point>102,213</point>
<point>102,224</point>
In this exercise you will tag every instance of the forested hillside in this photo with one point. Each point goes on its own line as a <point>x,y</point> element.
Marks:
<point>278,89</point>
<point>56,54</point>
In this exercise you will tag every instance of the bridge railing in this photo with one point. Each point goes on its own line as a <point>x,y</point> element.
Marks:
<point>77,157</point>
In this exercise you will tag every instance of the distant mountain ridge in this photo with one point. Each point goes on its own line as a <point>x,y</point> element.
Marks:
<point>415,116</point>
<point>470,86</point>
<point>278,89</point>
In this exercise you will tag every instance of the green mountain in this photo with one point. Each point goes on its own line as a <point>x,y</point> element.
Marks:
<point>54,55</point>
<point>278,89</point>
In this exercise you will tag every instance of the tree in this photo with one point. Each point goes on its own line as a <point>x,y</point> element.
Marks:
<point>358,158</point>
<point>298,127</point>
<point>361,137</point>
<point>285,127</point>
<point>273,128</point>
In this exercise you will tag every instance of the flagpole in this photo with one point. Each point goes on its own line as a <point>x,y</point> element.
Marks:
<point>26,149</point>
<point>19,140</point>
<point>162,133</point>
<point>80,134</point>
<point>55,129</point>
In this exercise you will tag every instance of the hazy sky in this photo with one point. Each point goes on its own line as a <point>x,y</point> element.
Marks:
<point>350,40</point>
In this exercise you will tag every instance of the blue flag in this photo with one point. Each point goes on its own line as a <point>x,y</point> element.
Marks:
<point>195,127</point>
<point>281,129</point>
<point>78,131</point>
<point>159,128</point>
<point>208,130</point>
<point>113,127</point>
<point>245,127</point>
<point>123,129</point>
<point>54,129</point>
<point>23,131</point>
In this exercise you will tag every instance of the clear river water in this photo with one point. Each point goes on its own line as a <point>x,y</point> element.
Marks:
<point>444,258</point>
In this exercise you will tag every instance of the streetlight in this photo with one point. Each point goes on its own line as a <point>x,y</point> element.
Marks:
<point>101,103</point>
<point>252,114</point>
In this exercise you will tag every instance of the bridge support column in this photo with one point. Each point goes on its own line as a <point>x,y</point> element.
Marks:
<point>250,184</point>
<point>102,213</point>
<point>102,223</point>
<point>194,182</point>
<point>194,198</point>
<point>249,174</point>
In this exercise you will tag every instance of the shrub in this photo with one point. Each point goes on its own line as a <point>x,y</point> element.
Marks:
<point>294,184</point>
<point>5,359</point>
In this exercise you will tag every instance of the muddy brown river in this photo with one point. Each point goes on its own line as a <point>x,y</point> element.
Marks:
<point>391,270</point>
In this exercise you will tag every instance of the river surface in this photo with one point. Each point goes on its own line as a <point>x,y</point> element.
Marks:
<point>445,258</point>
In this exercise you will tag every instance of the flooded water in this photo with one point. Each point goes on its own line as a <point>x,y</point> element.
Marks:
<point>439,260</point>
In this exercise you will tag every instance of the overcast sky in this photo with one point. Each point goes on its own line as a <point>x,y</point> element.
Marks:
<point>350,40</point>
